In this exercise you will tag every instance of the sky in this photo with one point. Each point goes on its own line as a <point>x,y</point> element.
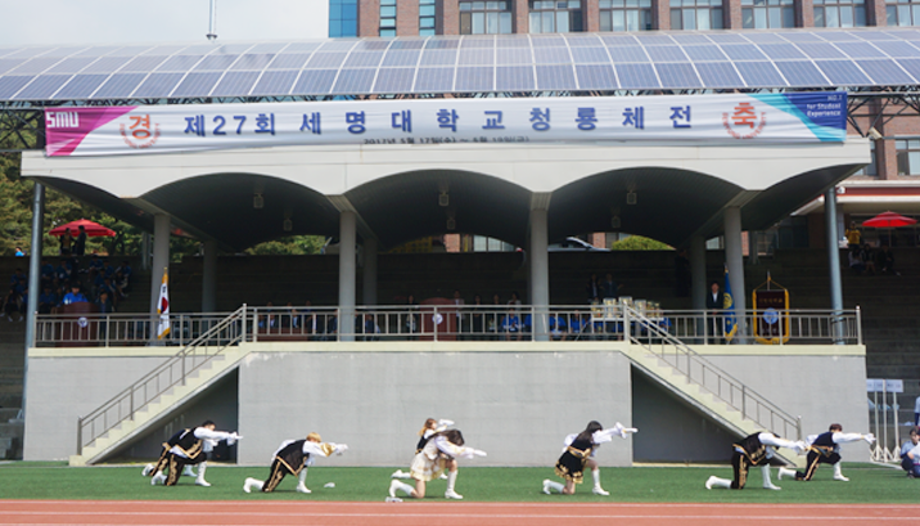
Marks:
<point>52,22</point>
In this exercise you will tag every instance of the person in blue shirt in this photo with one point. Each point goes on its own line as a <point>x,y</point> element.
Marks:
<point>63,271</point>
<point>74,296</point>
<point>511,325</point>
<point>910,454</point>
<point>47,272</point>
<point>19,253</point>
<point>47,300</point>
<point>19,281</point>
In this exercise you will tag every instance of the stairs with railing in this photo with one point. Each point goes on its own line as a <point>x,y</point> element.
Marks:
<point>201,363</point>
<point>677,367</point>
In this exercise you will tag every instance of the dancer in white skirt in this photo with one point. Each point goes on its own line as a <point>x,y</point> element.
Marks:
<point>428,430</point>
<point>440,453</point>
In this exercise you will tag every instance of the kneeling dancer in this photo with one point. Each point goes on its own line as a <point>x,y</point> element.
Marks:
<point>440,452</point>
<point>294,457</point>
<point>189,446</point>
<point>754,450</point>
<point>825,449</point>
<point>578,452</point>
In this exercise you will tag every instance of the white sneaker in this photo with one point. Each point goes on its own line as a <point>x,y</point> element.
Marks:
<point>546,487</point>
<point>159,478</point>
<point>841,478</point>
<point>771,486</point>
<point>600,491</point>
<point>450,494</point>
<point>303,489</point>
<point>400,474</point>
<point>147,470</point>
<point>393,499</point>
<point>202,482</point>
<point>711,481</point>
<point>443,476</point>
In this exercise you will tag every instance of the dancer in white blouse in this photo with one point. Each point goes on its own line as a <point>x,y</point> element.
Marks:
<point>440,452</point>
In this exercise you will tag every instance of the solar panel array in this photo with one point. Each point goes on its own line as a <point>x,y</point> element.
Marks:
<point>494,63</point>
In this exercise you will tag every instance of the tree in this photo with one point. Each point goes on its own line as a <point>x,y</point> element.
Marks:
<point>639,243</point>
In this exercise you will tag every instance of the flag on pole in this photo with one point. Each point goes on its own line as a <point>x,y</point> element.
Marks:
<point>728,305</point>
<point>163,307</point>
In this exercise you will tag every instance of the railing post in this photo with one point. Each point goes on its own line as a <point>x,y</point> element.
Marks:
<point>244,320</point>
<point>79,435</point>
<point>131,404</point>
<point>859,339</point>
<point>705,329</point>
<point>626,322</point>
<point>434,326</point>
<point>743,401</point>
<point>798,427</point>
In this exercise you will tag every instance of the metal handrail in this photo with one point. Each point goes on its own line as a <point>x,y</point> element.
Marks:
<point>728,389</point>
<point>123,406</point>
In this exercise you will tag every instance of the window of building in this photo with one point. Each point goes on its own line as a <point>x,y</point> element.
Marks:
<point>426,16</point>
<point>388,18</point>
<point>908,156</point>
<point>626,15</point>
<point>870,170</point>
<point>767,14</point>
<point>903,12</point>
<point>840,13</point>
<point>485,18</point>
<point>343,18</point>
<point>696,14</point>
<point>555,16</point>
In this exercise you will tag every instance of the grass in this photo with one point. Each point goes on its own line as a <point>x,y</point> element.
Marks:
<point>868,484</point>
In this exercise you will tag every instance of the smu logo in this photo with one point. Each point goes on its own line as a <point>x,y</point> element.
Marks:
<point>744,116</point>
<point>62,119</point>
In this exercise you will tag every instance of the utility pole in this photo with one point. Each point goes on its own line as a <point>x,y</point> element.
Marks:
<point>212,21</point>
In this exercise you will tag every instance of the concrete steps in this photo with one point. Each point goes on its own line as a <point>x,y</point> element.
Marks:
<point>148,415</point>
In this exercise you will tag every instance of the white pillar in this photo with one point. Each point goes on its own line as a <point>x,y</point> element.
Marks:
<point>347,239</point>
<point>833,261</point>
<point>735,260</point>
<point>35,256</point>
<point>539,273</point>
<point>160,263</point>
<point>370,271</point>
<point>209,277</point>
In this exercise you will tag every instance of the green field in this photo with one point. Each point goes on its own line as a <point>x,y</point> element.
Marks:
<point>868,484</point>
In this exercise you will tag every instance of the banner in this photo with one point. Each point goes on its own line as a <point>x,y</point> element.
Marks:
<point>696,119</point>
<point>163,307</point>
<point>728,304</point>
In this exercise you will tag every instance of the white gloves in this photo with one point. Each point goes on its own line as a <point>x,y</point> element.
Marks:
<point>800,447</point>
<point>233,438</point>
<point>869,438</point>
<point>445,422</point>
<point>479,453</point>
<point>623,432</point>
<point>339,448</point>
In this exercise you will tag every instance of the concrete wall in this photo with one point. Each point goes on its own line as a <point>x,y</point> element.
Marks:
<point>517,406</point>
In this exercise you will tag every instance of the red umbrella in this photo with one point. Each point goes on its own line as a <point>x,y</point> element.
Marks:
<point>92,229</point>
<point>889,220</point>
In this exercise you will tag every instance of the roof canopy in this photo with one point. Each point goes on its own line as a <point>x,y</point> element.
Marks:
<point>685,60</point>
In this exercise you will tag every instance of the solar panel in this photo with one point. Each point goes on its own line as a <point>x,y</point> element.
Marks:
<point>596,77</point>
<point>802,37</point>
<point>301,47</point>
<point>911,65</point>
<point>415,43</point>
<point>547,40</point>
<point>637,76</point>
<point>678,76</point>
<point>762,74</point>
<point>590,55</point>
<point>442,43</point>
<point>119,85</point>
<point>508,42</point>
<point>267,48</point>
<point>800,73</point>
<point>781,51</point>
<point>144,63</point>
<point>690,38</point>
<point>10,85</point>
<point>80,87</point>
<point>179,63</point>
<point>434,80</point>
<point>704,53</point>
<point>476,56</point>
<point>321,60</point>
<point>860,50</point>
<point>897,49</point>
<point>196,84</point>
<point>627,54</point>
<point>439,57</point>
<point>514,78</point>
<point>394,80</point>
<point>582,40</point>
<point>843,72</point>
<point>727,38</point>
<point>666,54</point>
<point>363,59</point>
<point>106,65</point>
<point>36,66</point>
<point>252,62</point>
<point>216,62</point>
<point>513,56</point>
<point>314,81</point>
<point>343,45</point>
<point>158,85</point>
<point>556,78</point>
<point>402,57</point>
<point>7,64</point>
<point>293,61</point>
<point>276,82</point>
<point>474,79</point>
<point>818,50</point>
<point>474,42</point>
<point>718,75</point>
<point>885,72</point>
<point>42,87</point>
<point>354,81</point>
<point>552,55</point>
<point>654,39</point>
<point>235,84</point>
<point>70,65</point>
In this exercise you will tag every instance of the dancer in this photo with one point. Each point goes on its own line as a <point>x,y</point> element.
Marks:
<point>189,446</point>
<point>578,452</point>
<point>754,450</point>
<point>294,457</point>
<point>440,452</point>
<point>430,427</point>
<point>825,449</point>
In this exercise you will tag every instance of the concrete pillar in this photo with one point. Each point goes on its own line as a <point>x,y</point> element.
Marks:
<point>370,271</point>
<point>347,239</point>
<point>145,251</point>
<point>539,274</point>
<point>160,263</point>
<point>735,260</point>
<point>209,277</point>
<point>833,260</point>
<point>698,286</point>
<point>35,257</point>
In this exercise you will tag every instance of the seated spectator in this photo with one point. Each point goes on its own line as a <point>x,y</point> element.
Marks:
<point>124,283</point>
<point>885,261</point>
<point>95,263</point>
<point>558,328</point>
<point>303,320</point>
<point>47,272</point>
<point>511,325</point>
<point>580,326</point>
<point>493,317</point>
<point>104,302</point>
<point>19,281</point>
<point>74,296</point>
<point>868,258</point>
<point>269,320</point>
<point>63,271</point>
<point>108,287</point>
<point>411,324</point>
<point>47,300</point>
<point>910,454</point>
<point>13,304</point>
<point>855,261</point>
<point>476,318</point>
<point>369,328</point>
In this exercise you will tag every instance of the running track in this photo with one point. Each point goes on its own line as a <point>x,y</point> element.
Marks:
<point>275,513</point>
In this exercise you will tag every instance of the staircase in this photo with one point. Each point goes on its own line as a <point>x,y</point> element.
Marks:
<point>679,369</point>
<point>147,401</point>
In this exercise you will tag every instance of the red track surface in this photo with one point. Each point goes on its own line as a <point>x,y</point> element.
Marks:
<point>443,514</point>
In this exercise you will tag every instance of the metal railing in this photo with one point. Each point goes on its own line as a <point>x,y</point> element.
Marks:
<point>451,322</point>
<point>656,339</point>
<point>229,330</point>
